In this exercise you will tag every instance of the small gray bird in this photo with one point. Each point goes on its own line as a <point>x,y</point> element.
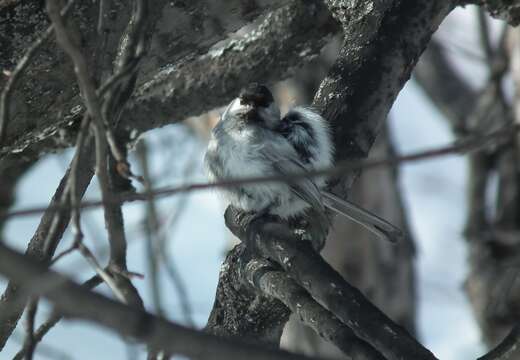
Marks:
<point>252,140</point>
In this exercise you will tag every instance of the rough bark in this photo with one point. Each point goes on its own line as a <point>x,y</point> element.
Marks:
<point>46,113</point>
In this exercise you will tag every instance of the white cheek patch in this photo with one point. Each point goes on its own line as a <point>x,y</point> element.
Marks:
<point>236,107</point>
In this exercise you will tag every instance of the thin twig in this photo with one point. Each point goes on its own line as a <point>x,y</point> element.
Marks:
<point>76,222</point>
<point>44,351</point>
<point>151,230</point>
<point>463,146</point>
<point>132,49</point>
<point>87,254</point>
<point>54,318</point>
<point>485,38</point>
<point>94,109</point>
<point>30,343</point>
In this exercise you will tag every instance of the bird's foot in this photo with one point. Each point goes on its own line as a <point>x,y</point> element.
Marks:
<point>254,226</point>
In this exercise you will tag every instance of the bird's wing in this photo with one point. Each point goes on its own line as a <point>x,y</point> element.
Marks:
<point>372,222</point>
<point>304,188</point>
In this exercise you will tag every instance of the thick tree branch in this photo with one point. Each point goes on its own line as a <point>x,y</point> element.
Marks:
<point>444,85</point>
<point>279,285</point>
<point>173,42</point>
<point>277,243</point>
<point>283,40</point>
<point>490,233</point>
<point>380,50</point>
<point>506,349</point>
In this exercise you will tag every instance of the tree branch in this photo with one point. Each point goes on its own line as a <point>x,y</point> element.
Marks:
<point>173,43</point>
<point>75,301</point>
<point>279,285</point>
<point>13,301</point>
<point>299,260</point>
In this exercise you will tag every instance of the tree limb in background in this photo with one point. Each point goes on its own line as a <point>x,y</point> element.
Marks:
<point>151,225</point>
<point>506,10</point>
<point>506,349</point>
<point>493,257</point>
<point>77,302</point>
<point>13,301</point>
<point>157,238</point>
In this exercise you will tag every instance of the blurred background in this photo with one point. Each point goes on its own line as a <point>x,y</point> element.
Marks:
<point>444,283</point>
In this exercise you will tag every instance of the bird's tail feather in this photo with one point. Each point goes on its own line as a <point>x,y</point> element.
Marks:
<point>371,222</point>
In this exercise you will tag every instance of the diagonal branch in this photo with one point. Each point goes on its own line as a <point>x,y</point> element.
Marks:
<point>12,301</point>
<point>299,260</point>
<point>75,301</point>
<point>279,285</point>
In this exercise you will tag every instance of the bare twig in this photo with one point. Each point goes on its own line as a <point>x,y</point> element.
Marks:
<point>485,39</point>
<point>54,318</point>
<point>157,239</point>
<point>30,343</point>
<point>113,216</point>
<point>463,146</point>
<point>151,230</point>
<point>44,350</point>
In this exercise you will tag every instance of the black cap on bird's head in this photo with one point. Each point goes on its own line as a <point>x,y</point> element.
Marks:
<point>256,95</point>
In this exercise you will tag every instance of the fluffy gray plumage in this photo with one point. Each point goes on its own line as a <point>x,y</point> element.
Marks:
<point>251,139</point>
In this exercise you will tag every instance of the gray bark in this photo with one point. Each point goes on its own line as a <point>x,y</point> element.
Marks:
<point>46,110</point>
<point>383,272</point>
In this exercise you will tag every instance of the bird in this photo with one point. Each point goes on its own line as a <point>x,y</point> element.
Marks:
<point>252,139</point>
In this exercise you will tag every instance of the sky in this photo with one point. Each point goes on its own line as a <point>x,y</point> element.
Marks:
<point>434,193</point>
